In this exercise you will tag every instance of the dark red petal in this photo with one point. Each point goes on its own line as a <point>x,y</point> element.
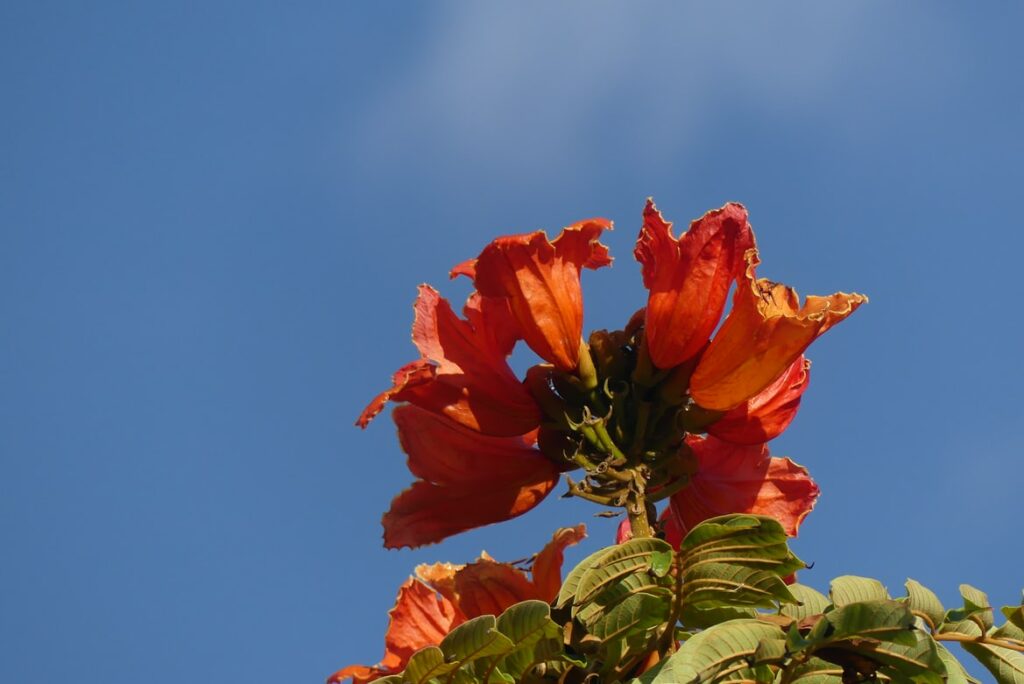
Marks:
<point>768,414</point>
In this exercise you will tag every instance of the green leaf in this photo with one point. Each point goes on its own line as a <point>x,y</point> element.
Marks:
<point>851,589</point>
<point>725,526</point>
<point>633,616</point>
<point>703,617</point>
<point>770,651</point>
<point>631,557</point>
<point>661,562</point>
<point>923,600</point>
<point>876,636</point>
<point>536,637</point>
<point>816,671</point>
<point>810,602</point>
<point>955,672</point>
<point>718,654</point>
<point>721,584</point>
<point>1005,665</point>
<point>976,608</point>
<point>865,619</point>
<point>426,664</point>
<point>475,639</point>
<point>1014,614</point>
<point>568,591</point>
<point>593,611</point>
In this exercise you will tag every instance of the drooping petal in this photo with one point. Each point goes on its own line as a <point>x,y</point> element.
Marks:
<point>403,382</point>
<point>740,479</point>
<point>463,372</point>
<point>547,567</point>
<point>420,618</point>
<point>768,414</point>
<point>766,331</point>
<point>689,278</point>
<point>467,479</point>
<point>541,282</point>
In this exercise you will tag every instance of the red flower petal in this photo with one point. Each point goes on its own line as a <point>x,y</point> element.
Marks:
<point>689,278</point>
<point>488,587</point>
<point>766,331</point>
<point>467,479</point>
<point>767,415</point>
<point>541,281</point>
<point>420,618</point>
<point>740,479</point>
<point>471,382</point>
<point>547,567</point>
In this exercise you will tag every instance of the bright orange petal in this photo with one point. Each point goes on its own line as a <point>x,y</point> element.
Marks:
<point>541,282</point>
<point>466,479</point>
<point>487,587</point>
<point>740,479</point>
<point>440,577</point>
<point>420,618</point>
<point>766,331</point>
<point>547,567</point>
<point>463,372</point>
<point>689,278</point>
<point>768,414</point>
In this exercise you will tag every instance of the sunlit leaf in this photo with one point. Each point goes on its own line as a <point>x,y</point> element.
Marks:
<point>851,589</point>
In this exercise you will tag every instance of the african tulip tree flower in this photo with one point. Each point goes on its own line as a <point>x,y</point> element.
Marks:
<point>766,331</point>
<point>666,409</point>
<point>689,278</point>
<point>442,596</point>
<point>463,373</point>
<point>541,282</point>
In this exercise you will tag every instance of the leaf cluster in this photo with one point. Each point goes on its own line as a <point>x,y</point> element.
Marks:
<point>719,609</point>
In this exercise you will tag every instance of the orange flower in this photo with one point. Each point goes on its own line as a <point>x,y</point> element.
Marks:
<point>739,479</point>
<point>767,415</point>
<point>689,278</point>
<point>462,372</point>
<point>442,596</point>
<point>541,282</point>
<point>766,331</point>
<point>467,479</point>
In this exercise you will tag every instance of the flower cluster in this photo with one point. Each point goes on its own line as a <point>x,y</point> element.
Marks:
<point>676,405</point>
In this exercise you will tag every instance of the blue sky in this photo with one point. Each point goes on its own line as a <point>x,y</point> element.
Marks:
<point>213,219</point>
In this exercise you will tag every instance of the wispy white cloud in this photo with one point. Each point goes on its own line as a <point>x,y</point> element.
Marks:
<point>508,82</point>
